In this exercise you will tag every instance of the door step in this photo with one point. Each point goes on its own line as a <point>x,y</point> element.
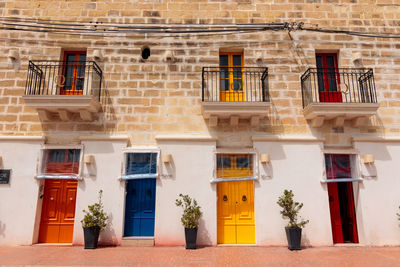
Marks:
<point>137,241</point>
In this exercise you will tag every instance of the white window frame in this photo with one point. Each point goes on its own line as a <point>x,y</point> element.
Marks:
<point>255,176</point>
<point>126,151</point>
<point>355,169</point>
<point>78,176</point>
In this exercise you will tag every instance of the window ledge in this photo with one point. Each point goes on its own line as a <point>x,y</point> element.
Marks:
<point>355,179</point>
<point>219,180</point>
<point>73,176</point>
<point>138,176</point>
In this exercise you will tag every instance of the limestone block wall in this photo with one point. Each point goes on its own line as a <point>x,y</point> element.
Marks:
<point>162,95</point>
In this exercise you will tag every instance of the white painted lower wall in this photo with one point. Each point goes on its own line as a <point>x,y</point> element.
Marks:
<point>296,165</point>
<point>379,197</point>
<point>19,198</point>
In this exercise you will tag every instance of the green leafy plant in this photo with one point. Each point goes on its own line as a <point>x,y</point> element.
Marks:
<point>398,215</point>
<point>191,211</point>
<point>290,210</point>
<point>96,215</point>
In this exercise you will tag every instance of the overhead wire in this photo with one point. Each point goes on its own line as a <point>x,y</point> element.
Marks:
<point>164,29</point>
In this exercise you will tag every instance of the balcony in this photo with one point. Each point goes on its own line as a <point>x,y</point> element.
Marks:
<point>55,87</point>
<point>338,95</point>
<point>235,93</point>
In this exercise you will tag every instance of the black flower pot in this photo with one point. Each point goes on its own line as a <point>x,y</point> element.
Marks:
<point>293,236</point>
<point>91,236</point>
<point>190,237</point>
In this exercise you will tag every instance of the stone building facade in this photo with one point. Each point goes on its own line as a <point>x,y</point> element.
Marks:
<point>221,100</point>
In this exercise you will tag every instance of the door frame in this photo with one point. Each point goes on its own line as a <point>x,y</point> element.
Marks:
<point>124,209</point>
<point>240,95</point>
<point>39,214</point>
<point>355,168</point>
<point>40,177</point>
<point>124,177</point>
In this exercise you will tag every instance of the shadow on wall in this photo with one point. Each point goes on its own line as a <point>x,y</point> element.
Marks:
<point>2,229</point>
<point>108,236</point>
<point>203,235</point>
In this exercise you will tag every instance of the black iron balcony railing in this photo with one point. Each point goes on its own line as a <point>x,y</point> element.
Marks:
<point>60,78</point>
<point>235,84</point>
<point>346,85</point>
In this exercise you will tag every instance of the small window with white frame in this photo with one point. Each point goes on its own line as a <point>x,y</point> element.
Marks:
<point>235,166</point>
<point>60,163</point>
<point>140,165</point>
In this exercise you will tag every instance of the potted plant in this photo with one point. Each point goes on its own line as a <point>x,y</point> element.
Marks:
<point>190,219</point>
<point>290,210</point>
<point>94,221</point>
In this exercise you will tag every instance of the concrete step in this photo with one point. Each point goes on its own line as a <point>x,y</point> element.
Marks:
<point>137,241</point>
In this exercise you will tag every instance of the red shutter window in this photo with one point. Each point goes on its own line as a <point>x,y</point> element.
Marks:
<point>60,161</point>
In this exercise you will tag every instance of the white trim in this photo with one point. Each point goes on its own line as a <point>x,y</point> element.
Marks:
<point>59,146</point>
<point>72,176</point>
<point>285,138</point>
<point>139,176</point>
<point>197,138</point>
<point>220,180</point>
<point>22,138</point>
<point>348,151</point>
<point>376,139</point>
<point>140,149</point>
<point>355,179</point>
<point>237,151</point>
<point>44,147</point>
<point>104,138</point>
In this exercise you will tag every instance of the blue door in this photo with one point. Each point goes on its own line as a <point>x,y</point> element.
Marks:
<point>140,207</point>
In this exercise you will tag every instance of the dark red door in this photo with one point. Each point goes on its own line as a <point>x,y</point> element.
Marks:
<point>341,199</point>
<point>328,78</point>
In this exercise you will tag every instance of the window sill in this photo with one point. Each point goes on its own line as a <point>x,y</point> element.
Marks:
<point>356,179</point>
<point>219,180</point>
<point>76,177</point>
<point>138,176</point>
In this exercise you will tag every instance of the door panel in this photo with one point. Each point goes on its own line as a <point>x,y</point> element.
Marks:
<point>58,211</point>
<point>140,207</point>
<point>235,213</point>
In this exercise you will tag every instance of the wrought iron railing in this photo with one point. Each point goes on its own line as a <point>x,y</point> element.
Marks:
<point>235,84</point>
<point>347,85</point>
<point>61,78</point>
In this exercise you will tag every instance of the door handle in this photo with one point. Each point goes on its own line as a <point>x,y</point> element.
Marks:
<point>244,198</point>
<point>225,198</point>
<point>71,198</point>
<point>51,198</point>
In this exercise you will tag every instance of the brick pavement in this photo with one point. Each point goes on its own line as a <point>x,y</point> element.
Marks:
<point>39,255</point>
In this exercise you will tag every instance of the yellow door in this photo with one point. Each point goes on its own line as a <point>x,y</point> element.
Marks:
<point>231,77</point>
<point>235,213</point>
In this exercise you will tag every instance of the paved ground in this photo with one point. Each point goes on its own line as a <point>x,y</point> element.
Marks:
<point>208,256</point>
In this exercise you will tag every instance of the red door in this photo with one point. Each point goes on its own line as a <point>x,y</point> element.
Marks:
<point>58,211</point>
<point>341,199</point>
<point>328,78</point>
<point>74,66</point>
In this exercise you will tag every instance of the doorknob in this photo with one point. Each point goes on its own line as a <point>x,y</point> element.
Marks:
<point>70,198</point>
<point>51,198</point>
<point>244,198</point>
<point>225,198</point>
